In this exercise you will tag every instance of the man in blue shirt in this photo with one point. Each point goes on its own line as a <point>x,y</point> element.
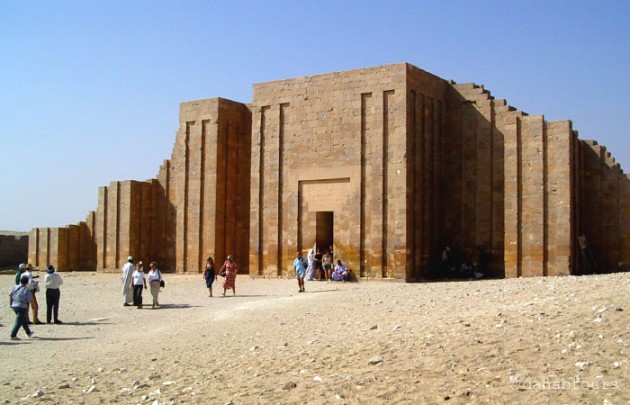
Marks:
<point>19,297</point>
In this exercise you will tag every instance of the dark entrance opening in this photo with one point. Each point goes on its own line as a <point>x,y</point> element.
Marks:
<point>324,230</point>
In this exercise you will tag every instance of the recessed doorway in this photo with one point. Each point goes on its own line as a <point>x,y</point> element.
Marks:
<point>324,229</point>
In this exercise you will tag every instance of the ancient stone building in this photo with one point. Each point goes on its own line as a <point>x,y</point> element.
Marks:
<point>389,164</point>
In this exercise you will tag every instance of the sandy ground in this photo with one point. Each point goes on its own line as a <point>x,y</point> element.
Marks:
<point>537,340</point>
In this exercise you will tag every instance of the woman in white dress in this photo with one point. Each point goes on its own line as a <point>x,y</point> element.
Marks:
<point>310,270</point>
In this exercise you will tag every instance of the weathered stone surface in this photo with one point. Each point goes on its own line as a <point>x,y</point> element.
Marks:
<point>389,164</point>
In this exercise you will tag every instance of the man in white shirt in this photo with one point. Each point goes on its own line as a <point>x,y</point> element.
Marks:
<point>53,281</point>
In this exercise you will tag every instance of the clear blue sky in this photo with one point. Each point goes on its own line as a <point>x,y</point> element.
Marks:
<point>90,90</point>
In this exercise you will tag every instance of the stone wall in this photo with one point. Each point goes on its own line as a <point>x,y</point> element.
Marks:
<point>604,209</point>
<point>70,248</point>
<point>390,164</point>
<point>331,144</point>
<point>13,249</point>
<point>198,204</point>
<point>208,184</point>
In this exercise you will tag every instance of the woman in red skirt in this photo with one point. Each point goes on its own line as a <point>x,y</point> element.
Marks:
<point>230,269</point>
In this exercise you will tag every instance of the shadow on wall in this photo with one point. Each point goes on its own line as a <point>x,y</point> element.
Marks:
<point>13,249</point>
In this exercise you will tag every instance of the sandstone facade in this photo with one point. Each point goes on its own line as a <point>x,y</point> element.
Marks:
<point>388,164</point>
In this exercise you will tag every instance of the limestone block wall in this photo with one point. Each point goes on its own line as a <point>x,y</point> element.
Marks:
<point>539,217</point>
<point>391,163</point>
<point>516,197</point>
<point>472,195</point>
<point>330,143</point>
<point>434,168</point>
<point>624,223</point>
<point>13,248</point>
<point>209,184</point>
<point>604,209</point>
<point>69,248</point>
<point>163,220</point>
<point>123,222</point>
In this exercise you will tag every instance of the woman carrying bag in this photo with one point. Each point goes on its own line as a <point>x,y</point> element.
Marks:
<point>155,281</point>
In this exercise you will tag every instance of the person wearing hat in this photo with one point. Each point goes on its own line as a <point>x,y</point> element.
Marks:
<point>19,273</point>
<point>127,281</point>
<point>33,286</point>
<point>19,298</point>
<point>53,280</point>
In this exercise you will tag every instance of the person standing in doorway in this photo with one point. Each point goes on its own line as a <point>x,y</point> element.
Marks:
<point>209,274</point>
<point>327,264</point>
<point>310,270</point>
<point>139,282</point>
<point>319,269</point>
<point>127,281</point>
<point>230,269</point>
<point>53,280</point>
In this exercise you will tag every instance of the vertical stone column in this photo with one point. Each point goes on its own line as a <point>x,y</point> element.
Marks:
<point>610,213</point>
<point>592,224</point>
<point>101,228</point>
<point>560,205</point>
<point>208,205</point>
<point>270,146</point>
<point>72,247</point>
<point>58,248</point>
<point>484,173</point>
<point>512,195</point>
<point>533,197</point>
<point>469,174</point>
<point>496,250</point>
<point>257,196</point>
<point>87,244</point>
<point>33,247</point>
<point>284,257</point>
<point>181,173</point>
<point>193,216</point>
<point>394,134</point>
<point>624,222</point>
<point>128,223</point>
<point>371,110</point>
<point>164,245</point>
<point>113,227</point>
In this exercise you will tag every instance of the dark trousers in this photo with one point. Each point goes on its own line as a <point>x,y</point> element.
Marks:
<point>137,295</point>
<point>21,320</point>
<point>52,304</point>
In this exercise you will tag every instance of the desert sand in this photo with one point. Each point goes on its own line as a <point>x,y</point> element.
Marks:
<point>527,341</point>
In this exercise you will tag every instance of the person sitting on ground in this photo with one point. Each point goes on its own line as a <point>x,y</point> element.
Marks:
<point>340,273</point>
